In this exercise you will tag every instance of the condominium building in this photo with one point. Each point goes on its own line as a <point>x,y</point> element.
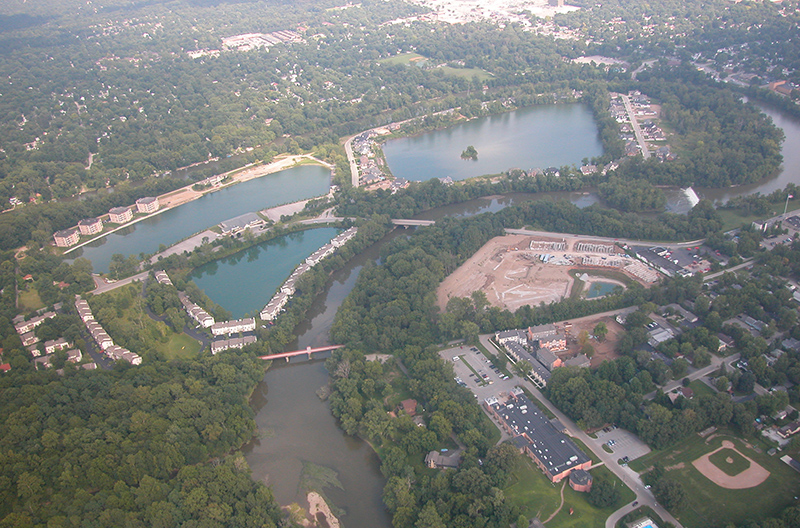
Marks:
<point>67,237</point>
<point>120,215</point>
<point>148,204</point>
<point>90,226</point>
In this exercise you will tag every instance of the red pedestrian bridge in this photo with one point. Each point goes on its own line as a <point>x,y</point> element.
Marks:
<point>308,351</point>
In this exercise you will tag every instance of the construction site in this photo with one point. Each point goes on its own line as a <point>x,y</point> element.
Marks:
<point>519,270</point>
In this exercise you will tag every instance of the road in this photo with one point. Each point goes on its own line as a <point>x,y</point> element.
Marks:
<point>348,148</point>
<point>699,373</point>
<point>711,276</point>
<point>673,245</point>
<point>627,475</point>
<point>636,128</point>
<point>102,286</point>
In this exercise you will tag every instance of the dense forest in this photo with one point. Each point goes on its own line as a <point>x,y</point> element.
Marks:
<point>144,446</point>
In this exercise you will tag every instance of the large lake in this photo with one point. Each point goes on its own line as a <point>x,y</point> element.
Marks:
<point>180,222</point>
<point>533,137</point>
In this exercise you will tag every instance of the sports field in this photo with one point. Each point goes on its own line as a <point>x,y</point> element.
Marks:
<point>733,463</point>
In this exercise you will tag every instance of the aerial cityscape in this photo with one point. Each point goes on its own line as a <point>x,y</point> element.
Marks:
<point>404,263</point>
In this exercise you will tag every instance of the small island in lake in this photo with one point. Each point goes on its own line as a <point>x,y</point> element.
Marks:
<point>470,153</point>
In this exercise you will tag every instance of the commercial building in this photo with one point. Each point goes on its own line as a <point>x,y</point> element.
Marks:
<point>234,327</point>
<point>67,237</point>
<point>90,226</point>
<point>120,215</point>
<point>148,204</point>
<point>580,480</point>
<point>533,433</point>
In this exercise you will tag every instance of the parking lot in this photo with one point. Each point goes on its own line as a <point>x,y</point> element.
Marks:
<point>623,443</point>
<point>483,387</point>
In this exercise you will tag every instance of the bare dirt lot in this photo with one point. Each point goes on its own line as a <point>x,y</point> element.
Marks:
<point>603,351</point>
<point>509,273</point>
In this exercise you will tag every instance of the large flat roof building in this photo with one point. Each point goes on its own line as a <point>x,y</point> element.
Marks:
<point>241,223</point>
<point>533,433</point>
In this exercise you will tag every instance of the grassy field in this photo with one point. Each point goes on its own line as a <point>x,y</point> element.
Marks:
<point>180,346</point>
<point>712,505</point>
<point>416,58</point>
<point>733,218</point>
<point>736,465</point>
<point>403,58</point>
<point>537,496</point>
<point>29,300</point>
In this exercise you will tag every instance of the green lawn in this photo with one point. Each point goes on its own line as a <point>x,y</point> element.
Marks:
<point>529,489</point>
<point>729,461</point>
<point>700,389</point>
<point>416,58</point>
<point>711,505</point>
<point>30,300</point>
<point>180,346</point>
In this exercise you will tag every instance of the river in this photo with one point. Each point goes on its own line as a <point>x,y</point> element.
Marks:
<point>178,223</point>
<point>789,173</point>
<point>297,428</point>
<point>533,137</point>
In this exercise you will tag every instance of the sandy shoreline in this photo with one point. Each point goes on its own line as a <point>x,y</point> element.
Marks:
<point>187,194</point>
<point>317,505</point>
